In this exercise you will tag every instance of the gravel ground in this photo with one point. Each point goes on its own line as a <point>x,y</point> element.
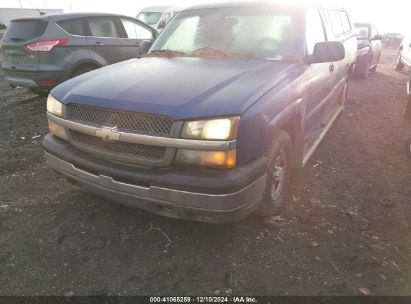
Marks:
<point>345,229</point>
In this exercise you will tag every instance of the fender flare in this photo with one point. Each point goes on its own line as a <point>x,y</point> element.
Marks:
<point>291,120</point>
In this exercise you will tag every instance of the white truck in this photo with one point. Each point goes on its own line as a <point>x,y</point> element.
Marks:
<point>8,14</point>
<point>157,16</point>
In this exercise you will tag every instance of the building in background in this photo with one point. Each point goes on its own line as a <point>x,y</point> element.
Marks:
<point>8,14</point>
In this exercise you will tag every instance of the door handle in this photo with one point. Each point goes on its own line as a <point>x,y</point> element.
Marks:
<point>99,44</point>
<point>332,68</point>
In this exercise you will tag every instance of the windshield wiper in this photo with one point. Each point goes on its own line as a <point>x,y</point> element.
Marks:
<point>165,53</point>
<point>219,53</point>
<point>201,52</point>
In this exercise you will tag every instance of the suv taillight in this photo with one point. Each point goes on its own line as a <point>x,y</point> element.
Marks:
<point>45,46</point>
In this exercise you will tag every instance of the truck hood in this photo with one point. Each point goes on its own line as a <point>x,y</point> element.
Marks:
<point>179,87</point>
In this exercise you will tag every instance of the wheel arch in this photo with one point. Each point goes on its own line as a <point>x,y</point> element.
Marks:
<point>83,63</point>
<point>289,120</point>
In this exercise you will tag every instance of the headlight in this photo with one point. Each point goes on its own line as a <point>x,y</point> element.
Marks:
<point>363,51</point>
<point>213,159</point>
<point>57,130</point>
<point>54,106</point>
<point>215,129</point>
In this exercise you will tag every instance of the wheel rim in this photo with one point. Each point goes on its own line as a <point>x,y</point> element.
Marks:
<point>279,174</point>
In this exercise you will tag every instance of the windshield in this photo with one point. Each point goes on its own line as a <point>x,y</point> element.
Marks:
<point>362,31</point>
<point>150,18</point>
<point>264,33</point>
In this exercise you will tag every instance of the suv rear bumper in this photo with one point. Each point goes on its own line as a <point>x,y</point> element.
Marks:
<point>212,196</point>
<point>22,82</point>
<point>29,79</point>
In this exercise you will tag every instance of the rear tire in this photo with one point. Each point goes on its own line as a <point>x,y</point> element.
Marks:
<point>364,73</point>
<point>344,94</point>
<point>398,65</point>
<point>407,111</point>
<point>278,175</point>
<point>83,69</point>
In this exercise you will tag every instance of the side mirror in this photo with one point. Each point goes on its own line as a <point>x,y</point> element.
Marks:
<point>329,51</point>
<point>377,37</point>
<point>145,46</point>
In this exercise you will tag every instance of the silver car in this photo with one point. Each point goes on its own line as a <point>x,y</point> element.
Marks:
<point>41,52</point>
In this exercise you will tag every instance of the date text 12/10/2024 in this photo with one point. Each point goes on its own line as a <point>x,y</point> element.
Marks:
<point>203,300</point>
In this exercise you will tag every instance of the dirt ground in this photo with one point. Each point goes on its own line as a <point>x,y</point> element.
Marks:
<point>346,226</point>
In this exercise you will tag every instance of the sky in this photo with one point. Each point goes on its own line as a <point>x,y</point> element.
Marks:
<point>388,16</point>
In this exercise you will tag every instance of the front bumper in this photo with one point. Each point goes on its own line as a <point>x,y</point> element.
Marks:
<point>202,195</point>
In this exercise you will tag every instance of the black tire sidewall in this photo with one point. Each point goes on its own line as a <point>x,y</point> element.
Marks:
<point>366,71</point>
<point>81,70</point>
<point>399,66</point>
<point>268,206</point>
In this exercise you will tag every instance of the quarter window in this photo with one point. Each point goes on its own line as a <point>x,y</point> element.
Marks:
<point>135,30</point>
<point>314,29</point>
<point>73,26</point>
<point>103,27</point>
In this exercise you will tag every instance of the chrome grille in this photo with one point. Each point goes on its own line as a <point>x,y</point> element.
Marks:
<point>124,121</point>
<point>119,148</point>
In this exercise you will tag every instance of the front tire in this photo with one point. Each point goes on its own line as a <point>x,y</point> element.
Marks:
<point>278,175</point>
<point>398,65</point>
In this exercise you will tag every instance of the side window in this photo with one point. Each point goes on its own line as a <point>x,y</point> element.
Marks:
<point>314,29</point>
<point>336,23</point>
<point>135,30</point>
<point>103,27</point>
<point>73,26</point>
<point>345,22</point>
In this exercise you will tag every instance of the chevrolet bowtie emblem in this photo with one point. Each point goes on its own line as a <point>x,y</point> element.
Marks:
<point>108,133</point>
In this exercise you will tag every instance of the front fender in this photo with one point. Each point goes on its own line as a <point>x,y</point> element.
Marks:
<point>282,108</point>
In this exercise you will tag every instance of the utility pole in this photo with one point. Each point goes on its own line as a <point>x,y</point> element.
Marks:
<point>20,4</point>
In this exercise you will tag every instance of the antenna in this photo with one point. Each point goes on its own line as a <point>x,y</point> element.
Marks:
<point>40,12</point>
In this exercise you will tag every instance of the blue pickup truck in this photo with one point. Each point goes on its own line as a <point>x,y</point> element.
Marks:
<point>209,123</point>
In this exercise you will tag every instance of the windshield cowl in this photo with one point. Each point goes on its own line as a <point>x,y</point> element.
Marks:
<point>205,52</point>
